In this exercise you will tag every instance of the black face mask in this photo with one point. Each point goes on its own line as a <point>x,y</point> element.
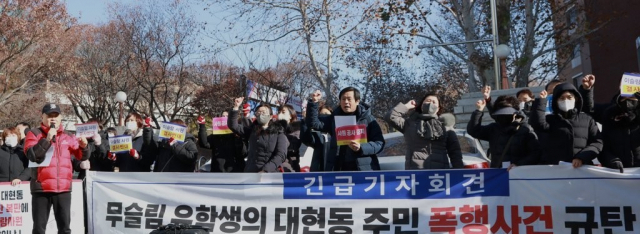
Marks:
<point>527,106</point>
<point>504,119</point>
<point>628,105</point>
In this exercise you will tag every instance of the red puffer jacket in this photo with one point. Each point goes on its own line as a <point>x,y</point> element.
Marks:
<point>56,177</point>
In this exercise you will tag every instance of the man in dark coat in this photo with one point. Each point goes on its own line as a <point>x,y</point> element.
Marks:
<point>620,133</point>
<point>171,155</point>
<point>225,148</point>
<point>573,136</point>
<point>517,138</point>
<point>355,156</point>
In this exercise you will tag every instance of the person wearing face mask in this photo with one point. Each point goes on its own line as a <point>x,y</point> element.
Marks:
<point>267,142</point>
<point>139,158</point>
<point>288,118</point>
<point>572,135</point>
<point>620,133</point>
<point>525,97</point>
<point>355,156</point>
<point>429,144</point>
<point>510,141</point>
<point>225,148</point>
<point>13,162</point>
<point>319,141</point>
<point>98,161</point>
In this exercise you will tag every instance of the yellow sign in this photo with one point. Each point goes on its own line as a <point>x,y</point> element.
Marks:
<point>629,84</point>
<point>169,130</point>
<point>120,144</point>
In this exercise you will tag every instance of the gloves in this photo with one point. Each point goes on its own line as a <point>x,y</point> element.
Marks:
<point>618,164</point>
<point>111,156</point>
<point>147,122</point>
<point>201,120</point>
<point>167,143</point>
<point>134,153</point>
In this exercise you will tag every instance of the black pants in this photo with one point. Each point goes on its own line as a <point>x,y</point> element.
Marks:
<point>42,203</point>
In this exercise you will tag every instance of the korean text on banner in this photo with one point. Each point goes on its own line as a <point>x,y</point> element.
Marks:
<point>16,209</point>
<point>347,130</point>
<point>527,199</point>
<point>87,130</point>
<point>220,126</point>
<point>629,84</point>
<point>169,130</point>
<point>120,144</point>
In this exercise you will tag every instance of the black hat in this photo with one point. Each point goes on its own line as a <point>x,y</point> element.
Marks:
<point>50,108</point>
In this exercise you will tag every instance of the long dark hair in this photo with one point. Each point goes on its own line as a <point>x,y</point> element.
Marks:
<point>419,104</point>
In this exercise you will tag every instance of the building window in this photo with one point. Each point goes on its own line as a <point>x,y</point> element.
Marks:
<point>572,19</point>
<point>576,56</point>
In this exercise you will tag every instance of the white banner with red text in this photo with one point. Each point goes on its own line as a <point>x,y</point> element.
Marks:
<point>16,209</point>
<point>528,199</point>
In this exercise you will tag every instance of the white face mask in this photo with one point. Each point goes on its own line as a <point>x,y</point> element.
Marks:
<point>284,117</point>
<point>11,141</point>
<point>132,125</point>
<point>521,105</point>
<point>111,135</point>
<point>566,105</point>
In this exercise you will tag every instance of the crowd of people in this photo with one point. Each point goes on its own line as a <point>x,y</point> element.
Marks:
<point>560,125</point>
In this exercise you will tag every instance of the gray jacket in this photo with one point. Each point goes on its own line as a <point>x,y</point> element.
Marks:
<point>424,153</point>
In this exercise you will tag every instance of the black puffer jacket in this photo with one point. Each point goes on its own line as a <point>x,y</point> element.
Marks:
<point>225,149</point>
<point>621,139</point>
<point>523,149</point>
<point>343,158</point>
<point>571,134</point>
<point>126,163</point>
<point>292,131</point>
<point>179,157</point>
<point>267,148</point>
<point>13,164</point>
<point>424,153</point>
<point>320,142</point>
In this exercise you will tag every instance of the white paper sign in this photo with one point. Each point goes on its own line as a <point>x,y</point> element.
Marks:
<point>349,120</point>
<point>87,130</point>
<point>47,158</point>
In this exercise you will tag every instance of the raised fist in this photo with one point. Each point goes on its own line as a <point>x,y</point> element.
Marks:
<point>588,81</point>
<point>147,122</point>
<point>237,102</point>
<point>543,94</point>
<point>201,120</point>
<point>480,104</point>
<point>316,96</point>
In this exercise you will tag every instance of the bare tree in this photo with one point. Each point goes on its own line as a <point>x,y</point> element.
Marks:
<point>318,29</point>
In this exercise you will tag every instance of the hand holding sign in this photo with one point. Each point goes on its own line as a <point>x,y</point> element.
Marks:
<point>355,146</point>
<point>630,85</point>
<point>111,156</point>
<point>588,81</point>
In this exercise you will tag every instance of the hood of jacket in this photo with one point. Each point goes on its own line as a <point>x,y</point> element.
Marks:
<point>363,112</point>
<point>559,90</point>
<point>274,127</point>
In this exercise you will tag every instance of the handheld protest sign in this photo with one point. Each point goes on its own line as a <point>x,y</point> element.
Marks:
<point>629,84</point>
<point>119,144</point>
<point>169,130</point>
<point>347,130</point>
<point>87,130</point>
<point>220,126</point>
